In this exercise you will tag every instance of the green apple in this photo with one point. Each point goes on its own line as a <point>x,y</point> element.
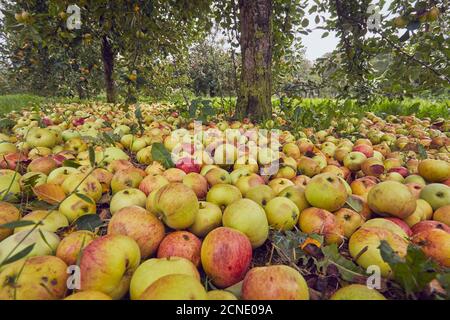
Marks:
<point>436,194</point>
<point>326,191</point>
<point>391,198</point>
<point>223,194</point>
<point>282,213</point>
<point>40,137</point>
<point>248,217</point>
<point>175,287</point>
<point>153,269</point>
<point>74,207</point>
<point>357,292</point>
<point>127,197</point>
<point>208,217</point>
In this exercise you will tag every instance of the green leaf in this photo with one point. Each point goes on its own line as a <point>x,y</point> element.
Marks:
<point>17,224</point>
<point>162,155</point>
<point>414,271</point>
<point>422,152</point>
<point>91,156</point>
<point>305,23</point>
<point>85,198</point>
<point>354,204</point>
<point>21,254</point>
<point>347,268</point>
<point>71,164</point>
<point>88,222</point>
<point>325,34</point>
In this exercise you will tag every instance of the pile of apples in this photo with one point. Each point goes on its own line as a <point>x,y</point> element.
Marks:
<point>165,228</point>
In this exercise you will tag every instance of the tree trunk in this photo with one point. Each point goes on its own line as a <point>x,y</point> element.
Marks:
<point>255,90</point>
<point>108,70</point>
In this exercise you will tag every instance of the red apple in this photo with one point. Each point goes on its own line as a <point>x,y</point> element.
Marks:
<point>402,224</point>
<point>429,224</point>
<point>181,244</point>
<point>188,165</point>
<point>226,255</point>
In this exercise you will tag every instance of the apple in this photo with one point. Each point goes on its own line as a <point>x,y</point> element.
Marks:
<point>223,195</point>
<point>226,255</point>
<point>140,225</point>
<point>248,217</point>
<point>261,194</point>
<point>153,269</point>
<point>75,145</point>
<point>41,278</point>
<point>126,178</point>
<point>181,244</point>
<point>8,213</point>
<point>40,137</point>
<point>108,263</point>
<point>126,198</point>
<point>111,154</point>
<point>357,292</point>
<point>152,182</point>
<point>429,224</point>
<point>436,194</point>
<point>301,180</point>
<point>441,215</point>
<point>434,170</point>
<point>320,221</point>
<point>423,212</point>
<point>349,219</point>
<point>291,150</point>
<point>364,247</point>
<point>59,175</point>
<point>354,160</point>
<point>176,204</point>
<point>391,198</point>
<point>308,167</point>
<point>326,191</point>
<point>217,176</point>
<point>277,282</point>
<point>282,213</point>
<point>154,169</point>
<point>175,287</point>
<point>297,195</point>
<point>278,184</point>
<point>188,165</point>
<point>144,155</point>
<point>416,179</point>
<point>104,177</point>
<point>174,175</point>
<point>220,295</point>
<point>7,148</point>
<point>9,185</point>
<point>415,189</point>
<point>49,221</point>
<point>247,182</point>
<point>402,224</point>
<point>372,167</point>
<point>208,217</point>
<point>435,243</point>
<point>19,241</point>
<point>88,295</point>
<point>70,248</point>
<point>365,149</point>
<point>197,183</point>
<point>84,184</point>
<point>74,207</point>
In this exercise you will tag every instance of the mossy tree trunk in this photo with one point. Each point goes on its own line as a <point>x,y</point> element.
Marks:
<point>255,89</point>
<point>108,69</point>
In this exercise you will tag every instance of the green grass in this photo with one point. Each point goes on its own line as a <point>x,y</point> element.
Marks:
<point>13,102</point>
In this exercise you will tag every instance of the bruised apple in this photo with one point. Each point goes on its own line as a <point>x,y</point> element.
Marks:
<point>41,278</point>
<point>70,248</point>
<point>108,263</point>
<point>392,198</point>
<point>277,282</point>
<point>8,213</point>
<point>226,255</point>
<point>435,243</point>
<point>181,244</point>
<point>364,247</point>
<point>320,221</point>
